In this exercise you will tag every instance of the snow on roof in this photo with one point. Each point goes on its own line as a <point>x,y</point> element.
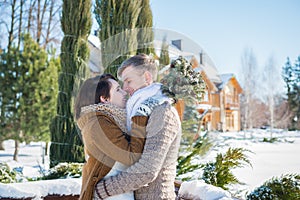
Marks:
<point>94,40</point>
<point>225,79</point>
<point>189,49</point>
<point>95,54</point>
<point>211,72</point>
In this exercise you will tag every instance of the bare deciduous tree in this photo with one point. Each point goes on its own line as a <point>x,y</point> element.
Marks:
<point>40,18</point>
<point>270,84</point>
<point>249,83</point>
<point>43,21</point>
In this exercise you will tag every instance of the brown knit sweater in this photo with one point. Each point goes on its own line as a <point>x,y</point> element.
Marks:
<point>152,176</point>
<point>105,143</point>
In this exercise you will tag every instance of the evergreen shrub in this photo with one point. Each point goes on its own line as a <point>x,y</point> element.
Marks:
<point>6,174</point>
<point>185,162</point>
<point>271,140</point>
<point>286,187</point>
<point>64,170</point>
<point>219,172</point>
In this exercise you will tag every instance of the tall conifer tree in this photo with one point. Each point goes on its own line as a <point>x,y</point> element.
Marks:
<point>25,73</point>
<point>291,77</point>
<point>34,63</point>
<point>145,34</point>
<point>164,58</point>
<point>9,70</point>
<point>46,98</point>
<point>76,23</point>
<point>117,21</point>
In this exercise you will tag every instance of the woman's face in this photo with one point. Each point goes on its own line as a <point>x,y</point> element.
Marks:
<point>117,95</point>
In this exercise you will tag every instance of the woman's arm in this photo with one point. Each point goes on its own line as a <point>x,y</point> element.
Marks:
<point>103,135</point>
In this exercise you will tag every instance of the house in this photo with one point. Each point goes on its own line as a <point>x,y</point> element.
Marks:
<point>220,107</point>
<point>95,55</point>
<point>221,104</point>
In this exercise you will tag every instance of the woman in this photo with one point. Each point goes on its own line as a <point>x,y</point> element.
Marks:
<point>100,115</point>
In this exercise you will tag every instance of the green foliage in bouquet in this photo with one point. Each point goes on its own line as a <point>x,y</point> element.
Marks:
<point>218,173</point>
<point>286,187</point>
<point>64,170</point>
<point>6,174</point>
<point>183,82</point>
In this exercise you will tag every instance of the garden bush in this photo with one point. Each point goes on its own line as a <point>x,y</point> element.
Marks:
<point>219,173</point>
<point>6,174</point>
<point>64,170</point>
<point>286,187</point>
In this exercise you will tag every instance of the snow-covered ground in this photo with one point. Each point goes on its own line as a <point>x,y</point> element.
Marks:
<point>268,160</point>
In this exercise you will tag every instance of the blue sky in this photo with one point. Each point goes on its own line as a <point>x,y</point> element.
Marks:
<point>224,29</point>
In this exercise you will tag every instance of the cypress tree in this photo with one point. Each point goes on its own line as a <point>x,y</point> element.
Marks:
<point>66,144</point>
<point>145,34</point>
<point>117,21</point>
<point>164,58</point>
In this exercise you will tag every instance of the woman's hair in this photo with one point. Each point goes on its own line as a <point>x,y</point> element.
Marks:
<point>91,91</point>
<point>141,62</point>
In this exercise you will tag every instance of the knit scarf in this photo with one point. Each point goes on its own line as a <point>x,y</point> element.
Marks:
<point>117,113</point>
<point>139,97</point>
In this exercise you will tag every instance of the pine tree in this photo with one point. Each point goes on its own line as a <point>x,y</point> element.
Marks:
<point>33,64</point>
<point>145,34</point>
<point>46,96</point>
<point>38,19</point>
<point>76,23</point>
<point>291,77</point>
<point>23,79</point>
<point>11,74</point>
<point>284,187</point>
<point>9,91</point>
<point>9,67</point>
<point>296,99</point>
<point>117,22</point>
<point>287,75</point>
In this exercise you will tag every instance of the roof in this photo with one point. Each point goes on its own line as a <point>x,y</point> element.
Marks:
<point>189,49</point>
<point>95,54</point>
<point>226,78</point>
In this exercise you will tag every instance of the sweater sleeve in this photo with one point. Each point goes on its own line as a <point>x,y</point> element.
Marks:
<point>162,129</point>
<point>103,135</point>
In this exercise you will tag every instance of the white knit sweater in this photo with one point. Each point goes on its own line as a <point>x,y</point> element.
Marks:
<point>152,177</point>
